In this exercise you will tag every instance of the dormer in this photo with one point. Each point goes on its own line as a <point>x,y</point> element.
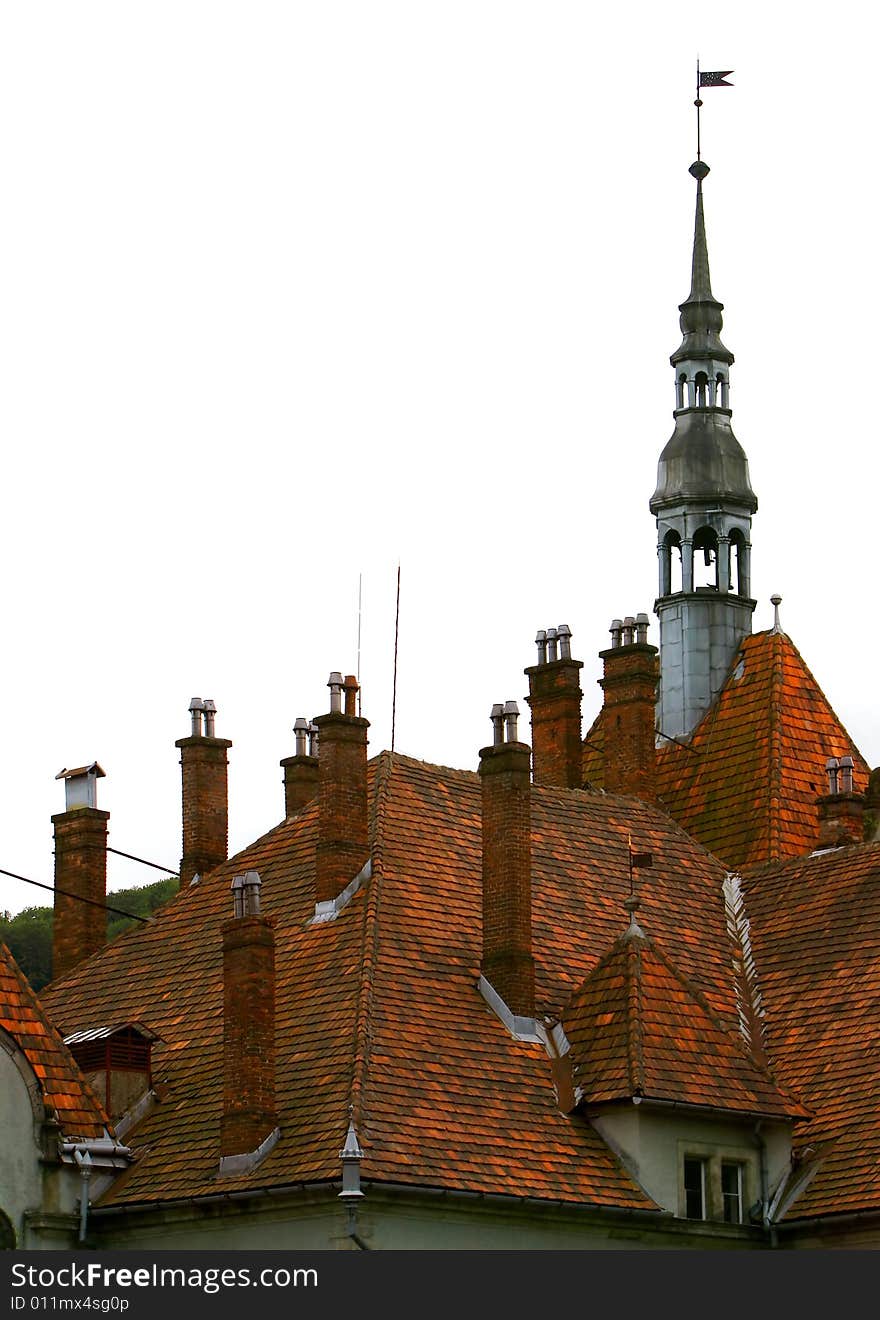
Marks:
<point>117,1063</point>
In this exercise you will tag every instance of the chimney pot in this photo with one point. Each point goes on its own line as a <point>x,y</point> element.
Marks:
<point>616,626</point>
<point>335,684</point>
<point>301,733</point>
<point>846,774</point>
<point>511,715</point>
<point>541,643</point>
<point>196,707</point>
<point>497,718</point>
<point>831,766</point>
<point>642,629</point>
<point>210,710</point>
<point>313,739</point>
<point>563,632</point>
<point>351,691</point>
<point>629,624</point>
<point>552,653</point>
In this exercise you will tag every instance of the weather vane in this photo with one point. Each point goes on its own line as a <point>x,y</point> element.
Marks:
<point>716,79</point>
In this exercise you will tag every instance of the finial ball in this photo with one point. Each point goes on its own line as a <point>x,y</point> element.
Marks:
<point>699,169</point>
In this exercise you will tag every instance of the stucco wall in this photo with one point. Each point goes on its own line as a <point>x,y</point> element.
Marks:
<point>653,1143</point>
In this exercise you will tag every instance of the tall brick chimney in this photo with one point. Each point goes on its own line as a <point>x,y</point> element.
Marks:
<point>630,687</point>
<point>250,1113</point>
<point>841,809</point>
<point>301,769</point>
<point>507,963</point>
<point>79,925</point>
<point>555,702</point>
<point>343,829</point>
<point>203,764</point>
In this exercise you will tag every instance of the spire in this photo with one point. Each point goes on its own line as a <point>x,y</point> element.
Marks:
<point>703,503</point>
<point>701,319</point>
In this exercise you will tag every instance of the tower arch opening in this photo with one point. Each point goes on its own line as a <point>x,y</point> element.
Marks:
<point>670,564</point>
<point>705,559</point>
<point>739,563</point>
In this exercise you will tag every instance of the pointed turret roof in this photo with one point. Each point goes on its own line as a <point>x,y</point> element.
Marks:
<point>640,1029</point>
<point>701,319</point>
<point>745,784</point>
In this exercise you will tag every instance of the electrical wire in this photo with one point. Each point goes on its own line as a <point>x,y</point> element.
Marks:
<point>78,897</point>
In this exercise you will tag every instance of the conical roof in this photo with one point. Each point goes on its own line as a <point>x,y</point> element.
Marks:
<point>701,319</point>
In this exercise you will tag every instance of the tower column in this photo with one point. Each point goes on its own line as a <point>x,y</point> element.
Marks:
<point>687,565</point>
<point>724,563</point>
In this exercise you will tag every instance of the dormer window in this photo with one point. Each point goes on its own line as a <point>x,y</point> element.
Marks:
<point>732,1192</point>
<point>694,1188</point>
<point>716,1182</point>
<point>116,1062</point>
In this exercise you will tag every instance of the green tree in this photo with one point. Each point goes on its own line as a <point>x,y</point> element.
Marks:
<point>29,933</point>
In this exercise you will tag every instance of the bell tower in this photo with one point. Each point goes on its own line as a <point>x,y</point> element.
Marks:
<point>703,505</point>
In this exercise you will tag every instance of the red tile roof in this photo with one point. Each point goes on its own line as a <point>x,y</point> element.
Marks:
<point>65,1092</point>
<point>637,1027</point>
<point>745,784</point>
<point>380,1007</point>
<point>815,934</point>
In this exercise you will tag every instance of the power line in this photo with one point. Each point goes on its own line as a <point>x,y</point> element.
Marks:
<point>155,865</point>
<point>79,898</point>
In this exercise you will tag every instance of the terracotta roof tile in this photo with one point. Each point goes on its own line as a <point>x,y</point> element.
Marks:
<point>815,931</point>
<point>638,1027</point>
<point>380,1008</point>
<point>64,1089</point>
<point>745,785</point>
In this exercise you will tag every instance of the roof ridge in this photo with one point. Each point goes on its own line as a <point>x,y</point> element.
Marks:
<point>634,1029</point>
<point>775,747</point>
<point>362,1035</point>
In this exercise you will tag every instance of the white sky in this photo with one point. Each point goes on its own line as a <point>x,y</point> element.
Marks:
<point>293,292</point>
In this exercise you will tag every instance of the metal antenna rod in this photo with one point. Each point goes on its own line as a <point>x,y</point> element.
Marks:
<point>360,588</point>
<point>698,104</point>
<point>396,633</point>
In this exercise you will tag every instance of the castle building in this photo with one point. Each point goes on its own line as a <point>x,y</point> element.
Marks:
<point>619,990</point>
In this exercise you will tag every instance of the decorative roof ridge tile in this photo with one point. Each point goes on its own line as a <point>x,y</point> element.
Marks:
<point>634,1028</point>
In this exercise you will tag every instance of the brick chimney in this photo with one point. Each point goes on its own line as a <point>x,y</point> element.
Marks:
<point>630,687</point>
<point>343,831</point>
<point>507,964</point>
<point>250,1113</point>
<point>555,702</point>
<point>79,926</point>
<point>301,769</point>
<point>841,810</point>
<point>203,764</point>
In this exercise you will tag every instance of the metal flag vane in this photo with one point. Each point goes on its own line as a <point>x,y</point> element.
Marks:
<point>717,78</point>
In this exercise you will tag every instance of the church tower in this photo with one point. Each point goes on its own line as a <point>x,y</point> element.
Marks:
<point>703,505</point>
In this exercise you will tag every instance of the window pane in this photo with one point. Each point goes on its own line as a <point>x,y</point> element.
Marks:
<point>694,1189</point>
<point>731,1192</point>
